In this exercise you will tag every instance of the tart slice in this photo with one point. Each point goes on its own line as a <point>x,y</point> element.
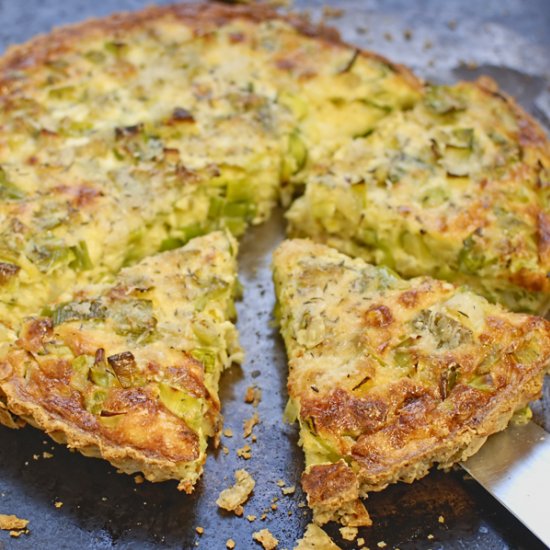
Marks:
<point>129,371</point>
<point>389,377</point>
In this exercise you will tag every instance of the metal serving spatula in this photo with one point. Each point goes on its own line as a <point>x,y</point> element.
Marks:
<point>514,466</point>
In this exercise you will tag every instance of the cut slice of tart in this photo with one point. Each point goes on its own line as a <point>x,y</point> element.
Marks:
<point>389,377</point>
<point>129,371</point>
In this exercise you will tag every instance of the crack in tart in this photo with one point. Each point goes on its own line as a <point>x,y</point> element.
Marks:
<point>389,377</point>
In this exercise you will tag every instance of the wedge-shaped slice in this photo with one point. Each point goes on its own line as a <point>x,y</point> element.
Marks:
<point>389,377</point>
<point>456,188</point>
<point>129,372</point>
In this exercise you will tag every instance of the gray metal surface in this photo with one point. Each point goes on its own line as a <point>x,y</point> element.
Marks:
<point>104,510</point>
<point>514,466</point>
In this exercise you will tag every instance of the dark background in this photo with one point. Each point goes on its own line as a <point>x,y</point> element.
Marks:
<point>442,41</point>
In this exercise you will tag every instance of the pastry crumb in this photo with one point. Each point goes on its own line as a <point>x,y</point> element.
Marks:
<point>251,518</point>
<point>199,530</point>
<point>281,483</point>
<point>245,452</point>
<point>45,454</point>
<point>360,542</point>
<point>230,544</point>
<point>288,490</point>
<point>253,395</point>
<point>228,432</point>
<point>348,533</point>
<point>249,424</point>
<point>266,539</point>
<point>9,522</point>
<point>225,450</point>
<point>58,504</point>
<point>441,519</point>
<point>381,544</point>
<point>315,537</point>
<point>139,479</point>
<point>234,497</point>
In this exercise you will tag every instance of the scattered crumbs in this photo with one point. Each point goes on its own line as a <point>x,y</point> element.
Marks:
<point>244,452</point>
<point>381,544</point>
<point>45,454</point>
<point>234,497</point>
<point>360,542</point>
<point>138,479</point>
<point>274,507</point>
<point>301,504</point>
<point>225,450</point>
<point>249,424</point>
<point>315,537</point>
<point>199,530</point>
<point>251,518</point>
<point>451,24</point>
<point>228,432</point>
<point>289,490</point>
<point>11,522</point>
<point>431,537</point>
<point>388,36</point>
<point>58,504</point>
<point>254,438</point>
<point>407,34</point>
<point>441,519</point>
<point>428,45</point>
<point>348,533</point>
<point>35,457</point>
<point>17,534</point>
<point>266,539</point>
<point>263,517</point>
<point>331,12</point>
<point>281,483</point>
<point>230,544</point>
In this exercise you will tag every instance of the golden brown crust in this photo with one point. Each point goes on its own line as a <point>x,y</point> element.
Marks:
<point>201,17</point>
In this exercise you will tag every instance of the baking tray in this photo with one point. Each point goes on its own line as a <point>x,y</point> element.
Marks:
<point>100,509</point>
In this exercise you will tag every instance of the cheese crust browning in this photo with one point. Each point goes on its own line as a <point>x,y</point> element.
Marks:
<point>129,371</point>
<point>389,377</point>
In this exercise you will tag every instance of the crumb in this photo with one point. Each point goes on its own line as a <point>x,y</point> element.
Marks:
<point>253,395</point>
<point>441,519</point>
<point>230,544</point>
<point>348,533</point>
<point>16,534</point>
<point>360,541</point>
<point>381,544</point>
<point>58,504</point>
<point>45,454</point>
<point>289,490</point>
<point>254,438</point>
<point>249,424</point>
<point>11,522</point>
<point>251,518</point>
<point>199,530</point>
<point>225,450</point>
<point>35,457</point>
<point>244,452</point>
<point>388,36</point>
<point>263,517</point>
<point>315,537</point>
<point>228,432</point>
<point>333,13</point>
<point>407,34</point>
<point>231,499</point>
<point>301,504</point>
<point>266,539</point>
<point>138,479</point>
<point>281,483</point>
<point>274,507</point>
<point>431,537</point>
